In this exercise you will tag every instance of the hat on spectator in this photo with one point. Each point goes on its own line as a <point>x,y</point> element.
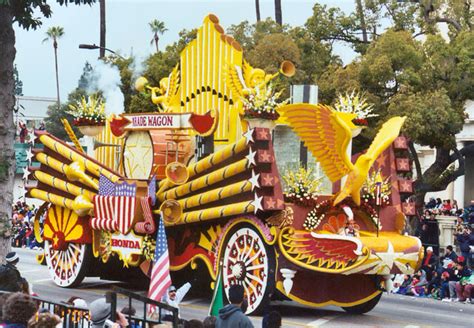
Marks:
<point>172,289</point>
<point>429,249</point>
<point>80,303</point>
<point>11,257</point>
<point>445,274</point>
<point>99,312</point>
<point>460,260</point>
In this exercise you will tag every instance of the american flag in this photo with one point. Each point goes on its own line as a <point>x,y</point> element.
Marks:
<point>104,213</point>
<point>124,212</point>
<point>125,189</point>
<point>106,187</point>
<point>160,279</point>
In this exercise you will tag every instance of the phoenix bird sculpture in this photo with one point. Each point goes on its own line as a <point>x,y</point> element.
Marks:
<point>327,134</point>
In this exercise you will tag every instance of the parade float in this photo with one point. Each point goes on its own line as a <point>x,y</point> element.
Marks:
<point>205,164</point>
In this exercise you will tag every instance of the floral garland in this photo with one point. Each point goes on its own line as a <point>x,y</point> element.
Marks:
<point>263,104</point>
<point>302,187</point>
<point>148,248</point>
<point>88,112</point>
<point>316,216</point>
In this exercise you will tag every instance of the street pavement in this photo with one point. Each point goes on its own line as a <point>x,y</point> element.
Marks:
<point>392,310</point>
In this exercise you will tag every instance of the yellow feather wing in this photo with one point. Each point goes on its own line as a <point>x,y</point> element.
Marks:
<point>233,81</point>
<point>386,135</point>
<point>324,133</point>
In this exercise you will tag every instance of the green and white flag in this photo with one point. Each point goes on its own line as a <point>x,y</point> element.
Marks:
<point>217,302</point>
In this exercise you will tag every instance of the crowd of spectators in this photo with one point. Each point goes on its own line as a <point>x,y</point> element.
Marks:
<point>447,277</point>
<point>22,226</point>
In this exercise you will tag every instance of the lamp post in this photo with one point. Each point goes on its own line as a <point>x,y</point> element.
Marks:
<point>94,46</point>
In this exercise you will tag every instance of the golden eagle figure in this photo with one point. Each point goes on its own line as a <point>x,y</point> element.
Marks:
<point>327,133</point>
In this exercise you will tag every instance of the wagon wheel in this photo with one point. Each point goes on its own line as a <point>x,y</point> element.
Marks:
<point>248,261</point>
<point>68,267</point>
<point>67,260</point>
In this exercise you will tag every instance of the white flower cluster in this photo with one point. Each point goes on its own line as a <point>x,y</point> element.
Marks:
<point>312,220</point>
<point>354,103</point>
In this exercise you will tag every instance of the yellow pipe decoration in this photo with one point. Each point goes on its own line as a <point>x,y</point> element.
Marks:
<point>62,185</point>
<point>217,212</point>
<point>72,135</point>
<point>216,194</point>
<point>75,156</point>
<point>81,204</point>
<point>55,164</point>
<point>51,198</point>
<point>205,181</point>
<point>76,172</point>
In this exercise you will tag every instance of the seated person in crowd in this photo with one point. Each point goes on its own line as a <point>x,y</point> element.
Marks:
<point>404,286</point>
<point>465,288</point>
<point>430,262</point>
<point>459,272</point>
<point>449,256</point>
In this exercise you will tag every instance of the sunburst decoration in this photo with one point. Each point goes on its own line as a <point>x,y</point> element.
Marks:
<point>62,226</point>
<point>368,189</point>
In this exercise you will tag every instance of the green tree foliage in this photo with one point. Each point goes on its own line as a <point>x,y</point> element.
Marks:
<point>428,81</point>
<point>18,82</point>
<point>88,80</point>
<point>54,115</point>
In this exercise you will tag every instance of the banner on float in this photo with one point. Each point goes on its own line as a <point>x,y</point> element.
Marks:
<point>147,121</point>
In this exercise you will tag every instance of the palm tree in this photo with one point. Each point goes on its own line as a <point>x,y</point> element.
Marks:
<point>54,33</point>
<point>278,15</point>
<point>157,27</point>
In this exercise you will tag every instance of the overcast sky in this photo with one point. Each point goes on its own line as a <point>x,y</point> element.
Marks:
<point>128,32</point>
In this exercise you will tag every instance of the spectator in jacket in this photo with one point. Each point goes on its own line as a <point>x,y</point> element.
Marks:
<point>10,278</point>
<point>174,298</point>
<point>231,316</point>
<point>450,254</point>
<point>466,240</point>
<point>430,262</point>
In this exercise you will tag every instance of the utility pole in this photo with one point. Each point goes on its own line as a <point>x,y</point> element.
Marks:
<point>102,29</point>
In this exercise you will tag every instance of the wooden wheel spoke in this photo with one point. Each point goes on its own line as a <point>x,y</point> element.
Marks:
<point>249,283</point>
<point>253,257</point>
<point>250,250</point>
<point>255,267</point>
<point>255,278</point>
